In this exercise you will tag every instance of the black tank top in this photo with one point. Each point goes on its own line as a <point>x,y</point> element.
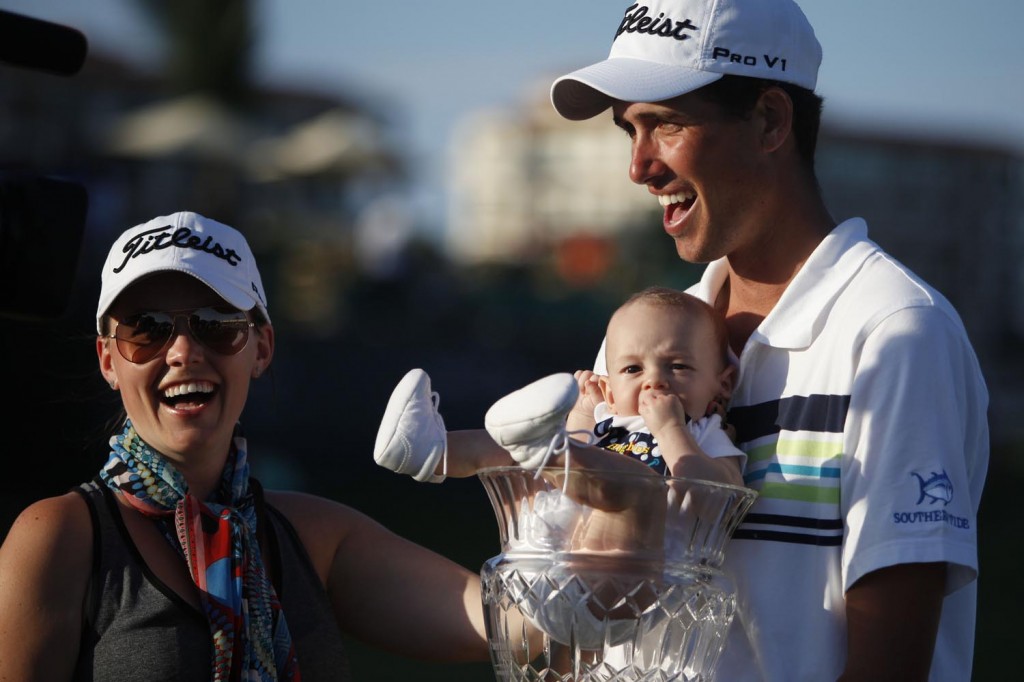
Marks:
<point>137,628</point>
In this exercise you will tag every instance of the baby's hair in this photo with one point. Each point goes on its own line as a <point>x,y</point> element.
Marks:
<point>673,298</point>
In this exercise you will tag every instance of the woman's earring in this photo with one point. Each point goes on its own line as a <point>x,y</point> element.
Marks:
<point>256,372</point>
<point>113,384</point>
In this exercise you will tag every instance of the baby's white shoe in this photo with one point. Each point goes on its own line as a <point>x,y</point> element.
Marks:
<point>530,422</point>
<point>412,438</point>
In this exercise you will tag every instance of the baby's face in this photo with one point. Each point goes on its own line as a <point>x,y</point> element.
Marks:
<point>662,348</point>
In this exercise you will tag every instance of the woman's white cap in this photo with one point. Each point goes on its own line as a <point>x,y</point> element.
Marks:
<point>212,252</point>
<point>666,48</point>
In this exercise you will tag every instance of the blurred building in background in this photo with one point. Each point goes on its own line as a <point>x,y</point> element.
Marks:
<point>522,181</point>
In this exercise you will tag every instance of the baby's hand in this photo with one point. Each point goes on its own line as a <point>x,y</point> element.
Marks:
<point>590,392</point>
<point>581,418</point>
<point>661,410</point>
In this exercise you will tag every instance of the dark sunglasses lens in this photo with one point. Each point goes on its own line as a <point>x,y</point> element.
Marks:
<point>140,337</point>
<point>222,331</point>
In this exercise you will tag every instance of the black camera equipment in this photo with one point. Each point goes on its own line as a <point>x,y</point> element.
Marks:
<point>41,218</point>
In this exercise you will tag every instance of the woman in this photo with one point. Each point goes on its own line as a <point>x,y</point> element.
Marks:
<point>172,563</point>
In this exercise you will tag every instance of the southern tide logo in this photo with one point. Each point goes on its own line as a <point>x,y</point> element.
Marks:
<point>933,488</point>
<point>936,488</point>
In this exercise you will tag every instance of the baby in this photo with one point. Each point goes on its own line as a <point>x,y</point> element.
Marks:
<point>668,376</point>
<point>656,411</point>
<point>661,403</point>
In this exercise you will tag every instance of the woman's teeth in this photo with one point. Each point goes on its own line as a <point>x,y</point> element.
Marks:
<point>678,198</point>
<point>185,389</point>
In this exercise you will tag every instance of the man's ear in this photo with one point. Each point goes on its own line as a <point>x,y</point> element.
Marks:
<point>774,110</point>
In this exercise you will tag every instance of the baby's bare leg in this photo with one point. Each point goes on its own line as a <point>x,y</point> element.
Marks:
<point>621,482</point>
<point>636,531</point>
<point>470,451</point>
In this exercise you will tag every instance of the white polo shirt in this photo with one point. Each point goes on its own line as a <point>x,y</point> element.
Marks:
<point>862,411</point>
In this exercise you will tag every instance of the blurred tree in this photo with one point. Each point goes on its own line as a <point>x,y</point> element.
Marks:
<point>209,46</point>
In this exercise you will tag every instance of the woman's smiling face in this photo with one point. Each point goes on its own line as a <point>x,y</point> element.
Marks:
<point>185,401</point>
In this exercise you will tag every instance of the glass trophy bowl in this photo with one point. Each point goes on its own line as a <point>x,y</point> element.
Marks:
<point>605,576</point>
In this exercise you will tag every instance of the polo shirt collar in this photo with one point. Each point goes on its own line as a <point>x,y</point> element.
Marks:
<point>801,312</point>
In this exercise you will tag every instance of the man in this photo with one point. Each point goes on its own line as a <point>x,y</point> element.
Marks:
<point>860,403</point>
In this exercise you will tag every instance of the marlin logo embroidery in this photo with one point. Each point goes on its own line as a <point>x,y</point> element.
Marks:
<point>936,488</point>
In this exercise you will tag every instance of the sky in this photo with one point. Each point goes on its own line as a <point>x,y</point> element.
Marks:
<point>948,68</point>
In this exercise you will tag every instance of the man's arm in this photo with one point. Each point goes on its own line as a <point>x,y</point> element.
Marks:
<point>917,406</point>
<point>892,619</point>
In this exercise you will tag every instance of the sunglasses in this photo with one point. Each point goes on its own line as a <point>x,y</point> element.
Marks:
<point>142,336</point>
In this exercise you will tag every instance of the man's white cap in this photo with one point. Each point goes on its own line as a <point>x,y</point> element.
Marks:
<point>666,48</point>
<point>212,252</point>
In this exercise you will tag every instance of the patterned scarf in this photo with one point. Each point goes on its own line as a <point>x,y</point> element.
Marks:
<point>217,539</point>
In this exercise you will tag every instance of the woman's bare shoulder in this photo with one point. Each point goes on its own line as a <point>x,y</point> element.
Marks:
<point>49,547</point>
<point>63,519</point>
<point>45,564</point>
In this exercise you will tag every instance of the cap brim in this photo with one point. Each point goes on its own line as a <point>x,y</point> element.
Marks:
<point>587,92</point>
<point>231,295</point>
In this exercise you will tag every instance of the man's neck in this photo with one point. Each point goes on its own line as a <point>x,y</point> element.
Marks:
<point>760,273</point>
